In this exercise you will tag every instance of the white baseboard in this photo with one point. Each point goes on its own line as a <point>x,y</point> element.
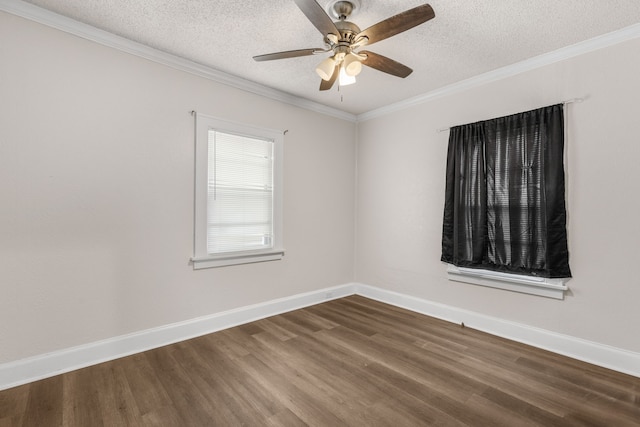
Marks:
<point>47,365</point>
<point>617,359</point>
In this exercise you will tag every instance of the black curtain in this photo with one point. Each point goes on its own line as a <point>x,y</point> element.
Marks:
<point>504,198</point>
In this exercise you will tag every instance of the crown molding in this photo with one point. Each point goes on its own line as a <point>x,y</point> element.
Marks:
<point>54,20</point>
<point>88,32</point>
<point>596,43</point>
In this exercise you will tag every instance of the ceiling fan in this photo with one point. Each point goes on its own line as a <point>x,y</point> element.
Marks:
<point>344,40</point>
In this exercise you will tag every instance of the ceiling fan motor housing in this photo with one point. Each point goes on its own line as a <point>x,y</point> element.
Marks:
<point>348,31</point>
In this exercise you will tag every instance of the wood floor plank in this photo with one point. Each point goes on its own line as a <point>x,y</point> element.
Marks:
<point>345,362</point>
<point>209,378</point>
<point>520,386</point>
<point>368,394</point>
<point>290,325</point>
<point>45,404</point>
<point>217,374</point>
<point>294,367</point>
<point>308,404</point>
<point>597,381</point>
<point>504,402</point>
<point>248,400</point>
<point>501,416</point>
<point>344,370</point>
<point>194,408</point>
<point>322,322</point>
<point>342,318</point>
<point>443,373</point>
<point>285,418</point>
<point>148,393</point>
<point>166,416</point>
<point>307,321</point>
<point>116,398</point>
<point>13,405</point>
<point>389,357</point>
<point>225,343</point>
<point>81,403</point>
<point>274,329</point>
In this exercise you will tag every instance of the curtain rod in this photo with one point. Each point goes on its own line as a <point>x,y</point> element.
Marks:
<point>568,101</point>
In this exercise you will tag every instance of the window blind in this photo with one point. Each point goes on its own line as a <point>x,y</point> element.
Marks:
<point>239,193</point>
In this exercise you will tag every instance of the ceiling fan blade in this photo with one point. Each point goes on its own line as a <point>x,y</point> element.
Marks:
<point>397,24</point>
<point>328,84</point>
<point>286,54</point>
<point>384,64</point>
<point>318,17</point>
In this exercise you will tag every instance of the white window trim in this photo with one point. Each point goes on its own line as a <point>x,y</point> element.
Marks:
<point>201,258</point>
<point>541,286</point>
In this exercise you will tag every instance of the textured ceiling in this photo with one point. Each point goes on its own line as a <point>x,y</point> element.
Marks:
<point>465,39</point>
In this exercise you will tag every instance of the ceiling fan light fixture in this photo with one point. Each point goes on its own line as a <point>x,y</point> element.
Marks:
<point>344,39</point>
<point>345,79</point>
<point>352,65</point>
<point>325,68</point>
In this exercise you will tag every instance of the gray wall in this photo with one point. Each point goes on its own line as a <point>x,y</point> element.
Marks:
<point>401,170</point>
<point>96,183</point>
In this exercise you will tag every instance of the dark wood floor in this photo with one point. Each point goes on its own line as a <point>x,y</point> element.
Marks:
<point>348,362</point>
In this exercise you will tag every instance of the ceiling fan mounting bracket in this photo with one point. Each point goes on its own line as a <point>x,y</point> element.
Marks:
<point>342,9</point>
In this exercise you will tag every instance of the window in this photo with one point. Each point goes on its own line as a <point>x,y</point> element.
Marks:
<point>238,194</point>
<point>504,216</point>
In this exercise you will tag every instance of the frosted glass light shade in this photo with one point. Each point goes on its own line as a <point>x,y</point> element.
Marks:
<point>345,79</point>
<point>352,65</point>
<point>325,68</point>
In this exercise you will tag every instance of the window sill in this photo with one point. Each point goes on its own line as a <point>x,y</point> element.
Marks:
<point>226,260</point>
<point>550,288</point>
